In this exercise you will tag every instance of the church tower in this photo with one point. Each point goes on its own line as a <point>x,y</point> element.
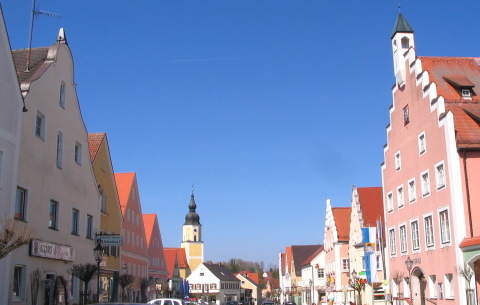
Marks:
<point>403,44</point>
<point>192,236</point>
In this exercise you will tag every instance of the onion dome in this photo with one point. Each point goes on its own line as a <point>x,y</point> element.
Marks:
<point>192,217</point>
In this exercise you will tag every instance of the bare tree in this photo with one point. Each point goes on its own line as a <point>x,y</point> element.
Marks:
<point>85,273</point>
<point>11,236</point>
<point>124,281</point>
<point>397,276</point>
<point>466,272</point>
<point>34,285</point>
<point>143,289</point>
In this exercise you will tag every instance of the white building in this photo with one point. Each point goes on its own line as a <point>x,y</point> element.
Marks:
<point>313,278</point>
<point>214,283</point>
<point>56,193</point>
<point>10,126</point>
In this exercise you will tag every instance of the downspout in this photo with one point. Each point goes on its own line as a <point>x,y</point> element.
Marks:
<point>467,189</point>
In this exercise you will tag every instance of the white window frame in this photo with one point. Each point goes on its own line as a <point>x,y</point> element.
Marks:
<point>59,159</point>
<point>429,231</point>
<point>345,264</point>
<point>402,231</point>
<point>445,228</point>
<point>412,190</point>
<point>467,93</point>
<point>89,227</point>
<point>392,243</point>
<point>78,153</point>
<point>75,222</point>
<point>449,289</point>
<point>425,179</point>
<point>1,167</point>
<point>19,278</point>
<point>40,122</point>
<point>21,203</point>
<point>440,178</point>
<point>398,161</point>
<point>61,100</point>
<point>432,286</point>
<point>400,196</point>
<point>415,235</point>
<point>53,224</point>
<point>422,144</point>
<point>390,202</point>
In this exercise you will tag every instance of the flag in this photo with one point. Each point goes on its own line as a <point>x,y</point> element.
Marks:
<point>369,245</point>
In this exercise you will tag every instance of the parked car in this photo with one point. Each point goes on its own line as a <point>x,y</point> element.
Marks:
<point>167,301</point>
<point>231,303</point>
<point>267,303</point>
<point>118,303</point>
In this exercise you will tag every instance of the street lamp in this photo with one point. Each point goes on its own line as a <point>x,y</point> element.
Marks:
<point>98,253</point>
<point>409,264</point>
<point>354,279</point>
<point>125,268</point>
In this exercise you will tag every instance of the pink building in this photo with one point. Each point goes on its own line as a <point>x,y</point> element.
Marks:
<point>337,262</point>
<point>431,164</point>
<point>134,253</point>
<point>157,270</point>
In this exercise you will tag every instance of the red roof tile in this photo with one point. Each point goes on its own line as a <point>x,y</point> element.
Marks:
<point>149,225</point>
<point>341,217</point>
<point>94,142</point>
<point>371,202</point>
<point>170,255</point>
<point>472,241</point>
<point>124,183</point>
<point>314,254</point>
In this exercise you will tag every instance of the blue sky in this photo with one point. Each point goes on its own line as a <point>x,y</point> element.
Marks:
<point>268,107</point>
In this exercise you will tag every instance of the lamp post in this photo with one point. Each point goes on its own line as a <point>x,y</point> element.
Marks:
<point>98,253</point>
<point>409,264</point>
<point>354,279</point>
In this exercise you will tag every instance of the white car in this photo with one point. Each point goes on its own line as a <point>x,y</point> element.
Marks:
<point>167,301</point>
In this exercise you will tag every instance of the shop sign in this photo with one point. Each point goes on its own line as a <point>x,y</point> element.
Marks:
<point>47,249</point>
<point>110,240</point>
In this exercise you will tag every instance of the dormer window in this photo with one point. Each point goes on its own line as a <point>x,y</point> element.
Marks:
<point>466,93</point>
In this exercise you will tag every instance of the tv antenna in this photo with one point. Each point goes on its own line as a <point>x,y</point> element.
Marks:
<point>35,13</point>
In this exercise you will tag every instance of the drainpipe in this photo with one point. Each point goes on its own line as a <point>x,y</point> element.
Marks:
<point>467,189</point>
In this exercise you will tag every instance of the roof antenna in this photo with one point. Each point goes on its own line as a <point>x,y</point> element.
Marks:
<point>35,12</point>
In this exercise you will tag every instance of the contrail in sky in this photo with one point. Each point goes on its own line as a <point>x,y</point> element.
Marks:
<point>202,59</point>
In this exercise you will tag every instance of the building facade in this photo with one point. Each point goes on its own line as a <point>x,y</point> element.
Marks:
<point>432,145</point>
<point>56,194</point>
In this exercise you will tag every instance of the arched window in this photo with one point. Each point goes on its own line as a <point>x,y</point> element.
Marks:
<point>405,43</point>
<point>62,95</point>
<point>59,149</point>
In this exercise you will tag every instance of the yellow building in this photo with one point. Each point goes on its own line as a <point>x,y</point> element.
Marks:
<point>192,236</point>
<point>111,215</point>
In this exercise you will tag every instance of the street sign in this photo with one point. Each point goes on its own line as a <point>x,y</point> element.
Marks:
<point>110,240</point>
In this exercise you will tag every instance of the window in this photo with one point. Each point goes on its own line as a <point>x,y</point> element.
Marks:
<point>321,273</point>
<point>440,176</point>
<point>59,149</point>
<point>429,231</point>
<point>18,291</point>
<point>405,43</point>
<point>466,93</point>
<point>398,161</point>
<point>400,197</point>
<point>78,153</point>
<point>403,239</point>
<point>20,204</point>
<point>103,165</point>
<point>89,234</point>
<point>425,184</point>
<point>53,219</point>
<point>364,263</point>
<point>415,236</point>
<point>40,125</point>
<point>75,222</point>
<point>62,95</point>
<point>391,234</point>
<point>449,286</point>
<point>412,191</point>
<point>390,202</point>
<point>345,264</point>
<point>421,144</point>
<point>406,118</point>
<point>432,283</point>
<point>379,262</point>
<point>444,227</point>
<point>103,201</point>
<point>1,166</point>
